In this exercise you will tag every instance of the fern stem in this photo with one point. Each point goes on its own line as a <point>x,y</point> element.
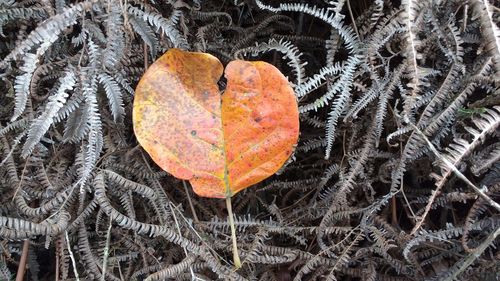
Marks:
<point>236,255</point>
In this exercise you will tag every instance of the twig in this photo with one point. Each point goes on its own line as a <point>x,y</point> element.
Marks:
<point>73,262</point>
<point>57,262</point>
<point>466,10</point>
<point>457,173</point>
<point>145,47</point>
<point>203,240</point>
<point>352,18</point>
<point>106,251</point>
<point>21,179</point>
<point>394,215</point>
<point>193,277</point>
<point>22,263</point>
<point>193,211</point>
<point>396,118</point>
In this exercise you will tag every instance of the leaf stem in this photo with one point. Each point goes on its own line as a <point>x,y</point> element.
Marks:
<point>236,256</point>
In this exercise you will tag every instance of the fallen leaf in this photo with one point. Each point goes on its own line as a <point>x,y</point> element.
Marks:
<point>223,143</point>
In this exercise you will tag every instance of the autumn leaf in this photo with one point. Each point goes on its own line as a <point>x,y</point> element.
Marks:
<point>223,143</point>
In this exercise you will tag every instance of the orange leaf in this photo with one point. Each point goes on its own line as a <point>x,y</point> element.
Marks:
<point>221,144</point>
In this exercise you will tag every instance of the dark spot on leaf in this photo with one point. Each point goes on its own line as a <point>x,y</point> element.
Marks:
<point>193,133</point>
<point>257,119</point>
